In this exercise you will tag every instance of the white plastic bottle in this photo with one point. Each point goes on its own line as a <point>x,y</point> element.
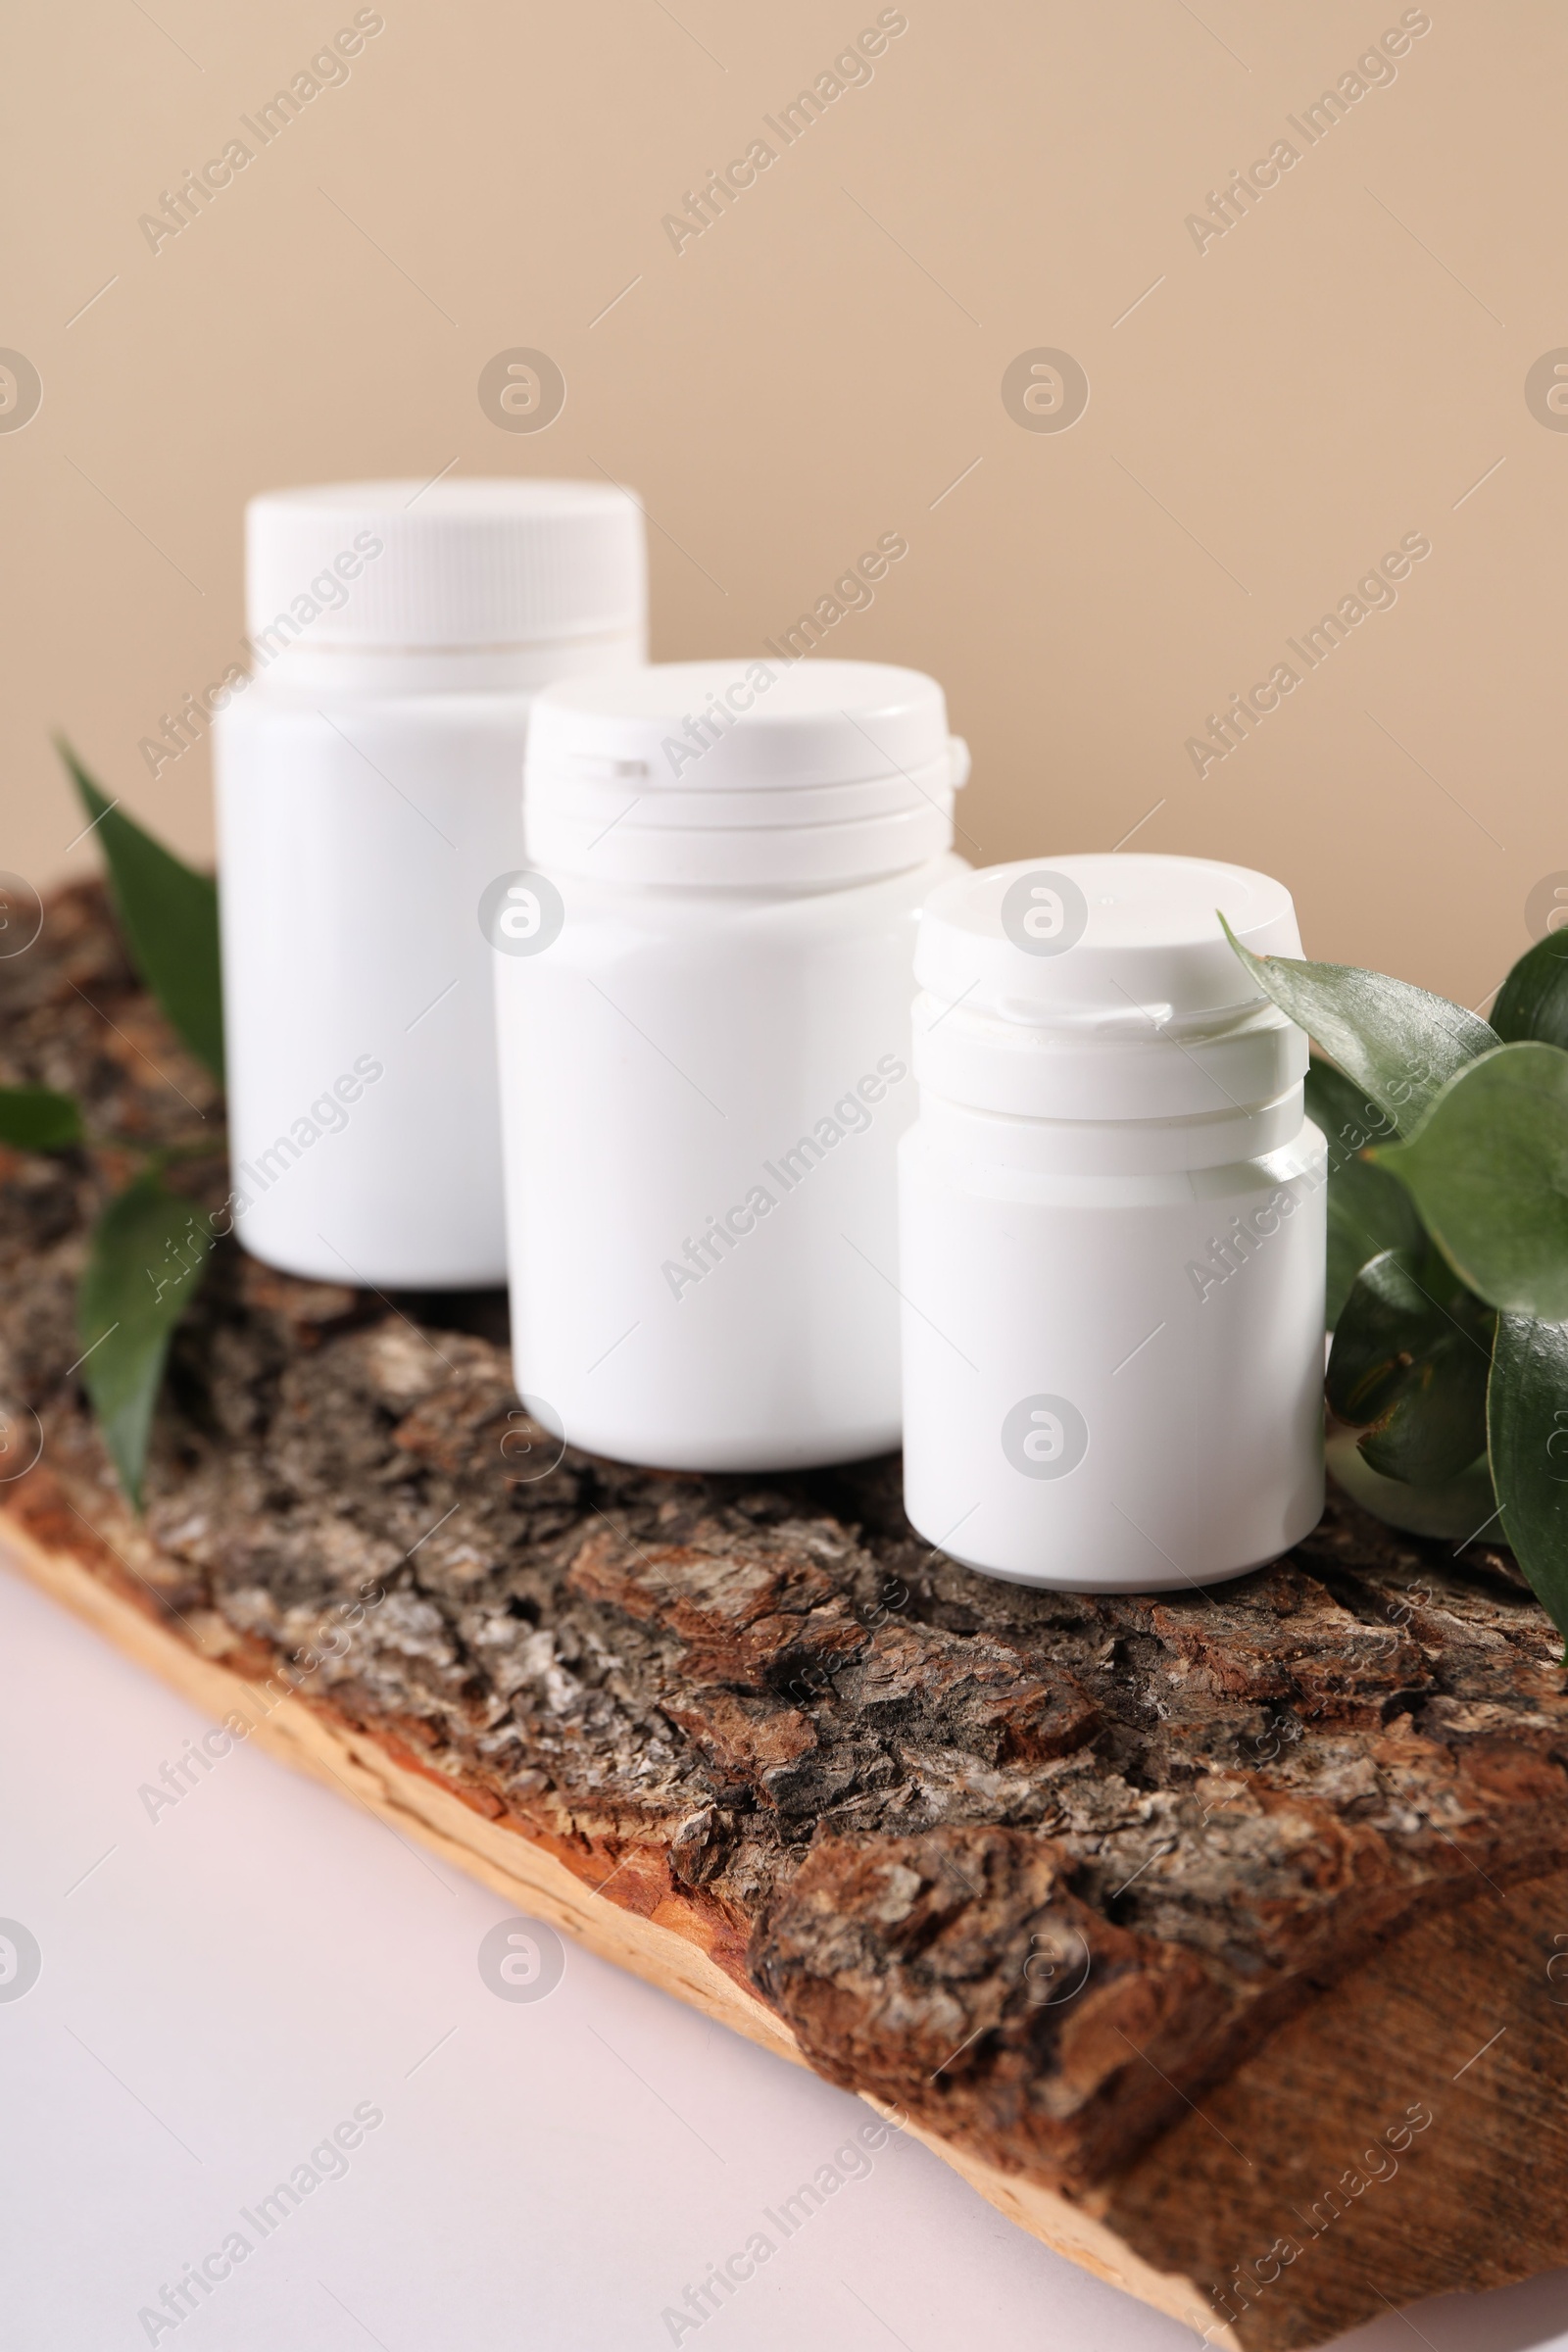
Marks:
<point>366,778</point>
<point>704,997</point>
<point>1112,1229</point>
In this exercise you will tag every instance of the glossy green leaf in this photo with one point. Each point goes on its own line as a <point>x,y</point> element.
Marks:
<point>1399,1042</point>
<point>1488,1169</point>
<point>143,1269</point>
<point>1533,1001</point>
<point>1368,1211</point>
<point>1456,1508</point>
<point>1408,1369</point>
<point>1527,1414</point>
<point>169,914</point>
<point>36,1119</point>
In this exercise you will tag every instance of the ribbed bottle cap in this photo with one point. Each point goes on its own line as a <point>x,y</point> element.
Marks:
<point>745,771</point>
<point>452,564</point>
<point>1102,986</point>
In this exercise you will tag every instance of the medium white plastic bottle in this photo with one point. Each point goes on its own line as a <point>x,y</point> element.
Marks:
<point>367,777</point>
<point>1112,1229</point>
<point>704,999</point>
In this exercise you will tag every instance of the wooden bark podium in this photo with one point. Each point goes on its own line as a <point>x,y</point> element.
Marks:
<point>1220,1939</point>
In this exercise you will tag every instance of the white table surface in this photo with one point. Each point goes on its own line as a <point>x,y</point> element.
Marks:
<point>224,1984</point>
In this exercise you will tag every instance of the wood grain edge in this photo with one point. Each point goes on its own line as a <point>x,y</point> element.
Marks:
<point>511,1865</point>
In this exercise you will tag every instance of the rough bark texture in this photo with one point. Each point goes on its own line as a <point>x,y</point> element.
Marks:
<point>1040,1869</point>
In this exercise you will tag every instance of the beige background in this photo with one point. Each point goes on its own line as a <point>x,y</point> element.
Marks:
<point>1344,367</point>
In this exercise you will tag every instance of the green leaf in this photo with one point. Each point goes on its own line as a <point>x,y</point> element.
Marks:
<point>1456,1508</point>
<point>143,1269</point>
<point>1396,1041</point>
<point>1368,1211</point>
<point>169,916</point>
<point>1527,1414</point>
<point>37,1119</point>
<point>1487,1168</point>
<point>1409,1368</point>
<point>1533,1001</point>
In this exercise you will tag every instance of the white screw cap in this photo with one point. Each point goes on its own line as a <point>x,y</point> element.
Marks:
<point>465,563</point>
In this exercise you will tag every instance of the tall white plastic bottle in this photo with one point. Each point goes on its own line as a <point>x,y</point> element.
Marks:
<point>1112,1229</point>
<point>367,777</point>
<point>704,997</point>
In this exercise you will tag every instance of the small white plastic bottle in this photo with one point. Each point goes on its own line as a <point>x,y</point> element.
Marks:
<point>1112,1229</point>
<point>366,779</point>
<point>704,999</point>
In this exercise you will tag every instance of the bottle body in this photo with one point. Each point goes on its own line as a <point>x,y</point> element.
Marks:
<point>705,1279</point>
<point>357,835</point>
<point>366,779</point>
<point>1112,1375</point>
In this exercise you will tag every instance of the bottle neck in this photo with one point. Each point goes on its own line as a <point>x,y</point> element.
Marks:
<point>903,884</point>
<point>1122,1147</point>
<point>1129,1064</point>
<point>305,666</point>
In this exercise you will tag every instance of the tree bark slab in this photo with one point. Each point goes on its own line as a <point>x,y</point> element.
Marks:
<point>1218,1937</point>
